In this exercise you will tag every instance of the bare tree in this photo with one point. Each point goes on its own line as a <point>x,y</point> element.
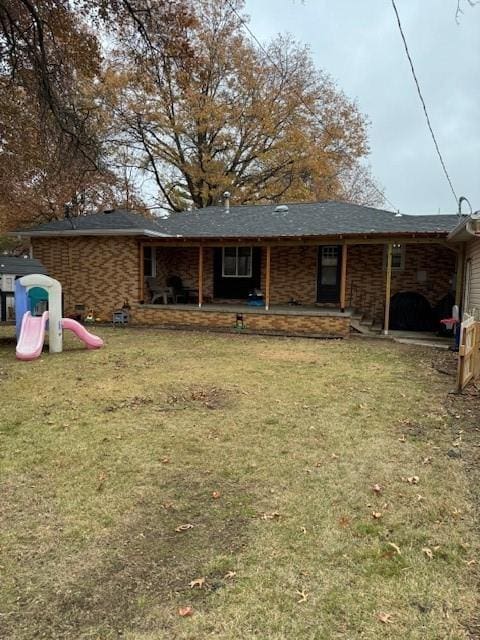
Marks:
<point>460,11</point>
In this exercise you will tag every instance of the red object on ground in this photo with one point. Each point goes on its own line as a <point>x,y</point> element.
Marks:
<point>449,322</point>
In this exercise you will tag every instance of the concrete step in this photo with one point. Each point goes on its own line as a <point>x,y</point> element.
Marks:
<point>358,327</point>
<point>367,321</point>
<point>366,329</point>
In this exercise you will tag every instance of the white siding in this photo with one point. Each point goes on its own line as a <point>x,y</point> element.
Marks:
<point>472,289</point>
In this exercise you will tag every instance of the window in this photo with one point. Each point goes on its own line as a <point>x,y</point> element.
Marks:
<point>237,262</point>
<point>149,262</point>
<point>398,257</point>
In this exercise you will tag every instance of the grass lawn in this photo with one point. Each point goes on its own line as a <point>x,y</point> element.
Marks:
<point>270,449</point>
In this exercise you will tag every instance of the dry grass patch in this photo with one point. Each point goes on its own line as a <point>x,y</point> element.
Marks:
<point>317,477</point>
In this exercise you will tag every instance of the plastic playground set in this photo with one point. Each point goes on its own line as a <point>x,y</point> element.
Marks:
<point>38,309</point>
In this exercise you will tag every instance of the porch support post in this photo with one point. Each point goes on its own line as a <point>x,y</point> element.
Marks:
<point>343,281</point>
<point>388,287</point>
<point>141,287</point>
<point>267,278</point>
<point>200,276</point>
<point>459,279</point>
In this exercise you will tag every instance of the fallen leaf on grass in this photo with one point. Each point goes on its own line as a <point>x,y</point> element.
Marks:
<point>303,596</point>
<point>428,552</point>
<point>402,439</point>
<point>229,575</point>
<point>165,460</point>
<point>184,527</point>
<point>376,515</point>
<point>377,488</point>
<point>427,460</point>
<point>271,516</point>
<point>385,618</point>
<point>198,582</point>
<point>412,479</point>
<point>101,480</point>
<point>184,612</point>
<point>396,547</point>
<point>216,495</point>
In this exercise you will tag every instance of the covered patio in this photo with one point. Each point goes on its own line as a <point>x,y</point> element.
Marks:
<point>339,281</point>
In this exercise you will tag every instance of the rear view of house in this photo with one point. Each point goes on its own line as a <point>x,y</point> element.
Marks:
<point>318,268</point>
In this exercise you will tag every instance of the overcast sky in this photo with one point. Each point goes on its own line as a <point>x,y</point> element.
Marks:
<point>358,43</point>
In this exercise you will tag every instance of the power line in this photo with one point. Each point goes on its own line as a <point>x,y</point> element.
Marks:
<point>419,91</point>
<point>300,97</point>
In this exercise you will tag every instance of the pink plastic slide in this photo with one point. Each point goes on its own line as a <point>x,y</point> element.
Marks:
<point>92,342</point>
<point>32,335</point>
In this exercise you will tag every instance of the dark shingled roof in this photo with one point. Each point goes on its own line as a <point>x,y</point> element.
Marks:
<point>20,266</point>
<point>258,221</point>
<point>121,220</point>
<point>316,219</point>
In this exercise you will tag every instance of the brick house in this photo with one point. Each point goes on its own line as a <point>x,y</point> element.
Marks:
<point>322,268</point>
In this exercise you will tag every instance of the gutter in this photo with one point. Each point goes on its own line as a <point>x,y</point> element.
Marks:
<point>321,238</point>
<point>373,235</point>
<point>473,222</point>
<point>468,228</point>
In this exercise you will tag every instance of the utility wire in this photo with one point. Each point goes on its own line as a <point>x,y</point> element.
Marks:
<point>300,97</point>
<point>419,91</point>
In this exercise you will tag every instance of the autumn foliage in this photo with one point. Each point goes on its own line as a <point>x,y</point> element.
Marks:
<point>260,122</point>
<point>106,102</point>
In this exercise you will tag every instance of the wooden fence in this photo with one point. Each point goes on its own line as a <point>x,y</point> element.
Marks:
<point>469,352</point>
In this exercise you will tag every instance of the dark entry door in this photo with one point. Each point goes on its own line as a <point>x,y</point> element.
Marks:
<point>328,277</point>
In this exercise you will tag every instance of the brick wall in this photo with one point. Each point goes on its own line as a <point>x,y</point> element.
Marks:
<point>366,275</point>
<point>183,262</point>
<point>97,272</point>
<point>293,274</point>
<point>257,322</point>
